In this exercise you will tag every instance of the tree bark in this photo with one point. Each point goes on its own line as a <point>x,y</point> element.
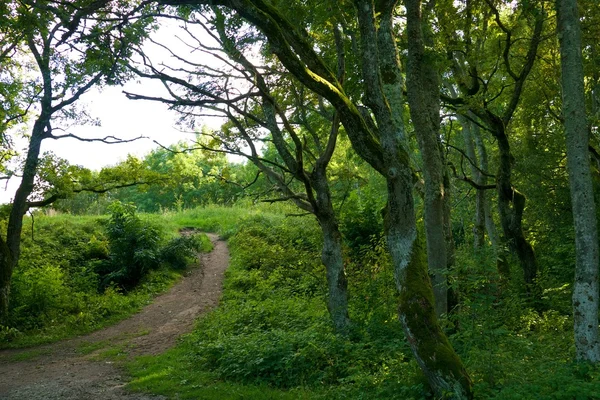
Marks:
<point>381,72</point>
<point>337,302</point>
<point>423,99</point>
<point>585,289</point>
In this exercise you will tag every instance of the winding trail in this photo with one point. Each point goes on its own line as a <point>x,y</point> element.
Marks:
<point>61,371</point>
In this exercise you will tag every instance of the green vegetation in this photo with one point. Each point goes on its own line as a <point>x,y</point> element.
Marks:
<point>72,277</point>
<point>271,334</point>
<point>442,157</point>
<point>272,329</point>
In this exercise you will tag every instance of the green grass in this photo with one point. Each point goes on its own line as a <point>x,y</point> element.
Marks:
<point>173,374</point>
<point>55,289</point>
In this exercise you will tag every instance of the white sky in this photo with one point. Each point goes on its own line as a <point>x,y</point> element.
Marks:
<point>122,118</point>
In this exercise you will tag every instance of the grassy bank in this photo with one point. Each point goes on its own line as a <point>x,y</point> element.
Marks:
<point>67,282</point>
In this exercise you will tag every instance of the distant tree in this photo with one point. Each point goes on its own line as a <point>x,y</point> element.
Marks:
<point>189,177</point>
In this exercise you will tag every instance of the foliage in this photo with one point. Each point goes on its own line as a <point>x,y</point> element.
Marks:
<point>133,248</point>
<point>272,326</point>
<point>361,213</point>
<point>55,287</point>
<point>182,251</point>
<point>137,246</point>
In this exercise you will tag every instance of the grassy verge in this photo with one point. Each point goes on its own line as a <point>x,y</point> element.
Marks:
<point>56,291</point>
<point>270,338</point>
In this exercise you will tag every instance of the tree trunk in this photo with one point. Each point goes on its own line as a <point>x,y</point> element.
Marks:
<point>5,276</point>
<point>452,294</point>
<point>481,152</point>
<point>10,250</point>
<point>478,178</point>
<point>423,99</point>
<point>434,354</point>
<point>585,289</point>
<point>331,255</point>
<point>337,302</point>
<point>511,204</point>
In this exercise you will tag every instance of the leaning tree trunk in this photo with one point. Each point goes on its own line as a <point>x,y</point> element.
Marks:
<point>585,289</point>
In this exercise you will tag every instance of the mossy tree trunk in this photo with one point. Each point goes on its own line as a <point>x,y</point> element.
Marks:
<point>423,89</point>
<point>585,289</point>
<point>381,143</point>
<point>381,74</point>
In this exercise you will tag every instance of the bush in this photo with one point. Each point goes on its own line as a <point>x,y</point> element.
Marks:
<point>134,248</point>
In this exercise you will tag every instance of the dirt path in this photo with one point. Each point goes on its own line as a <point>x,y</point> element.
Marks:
<point>61,371</point>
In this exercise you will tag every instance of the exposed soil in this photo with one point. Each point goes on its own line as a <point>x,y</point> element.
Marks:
<point>62,371</point>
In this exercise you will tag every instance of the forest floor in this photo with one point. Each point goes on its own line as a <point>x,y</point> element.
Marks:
<point>85,367</point>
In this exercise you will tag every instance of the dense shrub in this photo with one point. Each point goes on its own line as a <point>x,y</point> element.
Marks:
<point>134,248</point>
<point>138,246</point>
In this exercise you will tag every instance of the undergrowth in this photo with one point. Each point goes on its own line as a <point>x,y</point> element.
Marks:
<point>78,274</point>
<point>270,338</point>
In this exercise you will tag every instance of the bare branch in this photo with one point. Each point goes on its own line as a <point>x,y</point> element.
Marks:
<point>107,139</point>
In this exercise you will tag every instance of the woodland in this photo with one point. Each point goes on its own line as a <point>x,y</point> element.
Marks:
<point>414,217</point>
